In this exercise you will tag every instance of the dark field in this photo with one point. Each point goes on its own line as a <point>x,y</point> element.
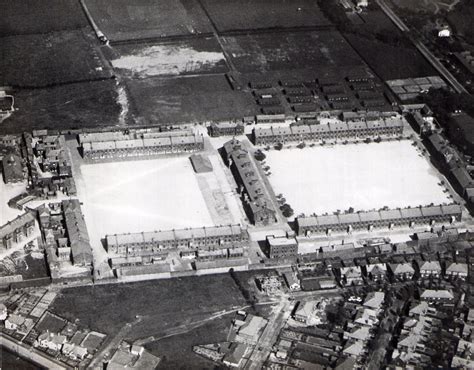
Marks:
<point>391,62</point>
<point>189,99</point>
<point>88,104</point>
<point>164,305</point>
<point>19,17</point>
<point>293,50</point>
<point>48,59</point>
<point>256,14</point>
<point>138,19</point>
<point>177,351</point>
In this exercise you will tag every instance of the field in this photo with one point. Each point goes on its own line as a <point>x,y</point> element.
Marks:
<point>319,51</point>
<point>256,14</point>
<point>199,55</point>
<point>166,306</point>
<point>125,20</point>
<point>188,99</point>
<point>88,104</point>
<point>136,196</point>
<point>21,17</point>
<point>363,176</point>
<point>389,61</point>
<point>49,59</point>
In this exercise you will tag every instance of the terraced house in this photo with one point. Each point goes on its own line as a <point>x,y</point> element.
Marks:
<point>138,143</point>
<point>256,203</point>
<point>154,243</point>
<point>376,219</point>
<point>17,230</point>
<point>333,130</point>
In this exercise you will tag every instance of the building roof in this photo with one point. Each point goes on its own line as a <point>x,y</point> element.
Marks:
<point>201,163</point>
<point>77,232</point>
<point>430,266</point>
<point>454,267</point>
<point>354,349</point>
<point>12,168</point>
<point>420,309</point>
<point>402,268</point>
<point>374,300</point>
<point>171,235</point>
<point>16,223</point>
<point>376,269</point>
<point>436,294</point>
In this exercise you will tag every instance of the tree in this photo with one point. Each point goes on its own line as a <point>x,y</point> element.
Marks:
<point>278,146</point>
<point>259,155</point>
<point>287,210</point>
<point>301,145</point>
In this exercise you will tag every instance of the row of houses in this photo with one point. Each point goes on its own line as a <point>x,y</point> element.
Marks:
<point>65,235</point>
<point>138,143</point>
<point>331,130</point>
<point>456,168</point>
<point>150,243</point>
<point>16,230</point>
<point>306,225</point>
<point>354,275</point>
<point>258,206</point>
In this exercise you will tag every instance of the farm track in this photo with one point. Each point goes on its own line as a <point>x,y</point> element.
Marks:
<point>217,33</point>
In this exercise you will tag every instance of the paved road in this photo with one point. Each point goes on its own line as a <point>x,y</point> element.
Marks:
<point>423,49</point>
<point>268,338</point>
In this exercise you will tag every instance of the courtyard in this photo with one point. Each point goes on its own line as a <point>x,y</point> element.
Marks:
<point>325,179</point>
<point>136,196</point>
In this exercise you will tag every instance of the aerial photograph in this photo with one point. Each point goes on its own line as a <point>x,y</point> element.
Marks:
<point>236,184</point>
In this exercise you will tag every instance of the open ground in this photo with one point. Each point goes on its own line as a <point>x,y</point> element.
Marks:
<point>198,55</point>
<point>58,58</point>
<point>324,179</point>
<point>137,196</point>
<point>188,99</point>
<point>164,305</point>
<point>256,14</point>
<point>124,20</point>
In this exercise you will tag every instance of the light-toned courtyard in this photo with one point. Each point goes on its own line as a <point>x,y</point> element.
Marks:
<point>324,179</point>
<point>136,196</point>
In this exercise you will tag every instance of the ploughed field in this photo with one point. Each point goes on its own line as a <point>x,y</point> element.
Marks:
<point>122,20</point>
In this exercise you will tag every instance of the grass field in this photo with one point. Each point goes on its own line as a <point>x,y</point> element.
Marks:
<point>255,14</point>
<point>130,20</point>
<point>88,104</point>
<point>21,17</point>
<point>391,62</point>
<point>292,50</point>
<point>189,99</point>
<point>199,55</point>
<point>136,196</point>
<point>363,176</point>
<point>163,305</point>
<point>48,59</point>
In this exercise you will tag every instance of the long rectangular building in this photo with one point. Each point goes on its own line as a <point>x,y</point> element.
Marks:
<point>256,203</point>
<point>138,143</point>
<point>149,243</point>
<point>377,219</point>
<point>332,130</point>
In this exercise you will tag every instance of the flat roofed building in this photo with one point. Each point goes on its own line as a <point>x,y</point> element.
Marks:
<point>226,128</point>
<point>282,247</point>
